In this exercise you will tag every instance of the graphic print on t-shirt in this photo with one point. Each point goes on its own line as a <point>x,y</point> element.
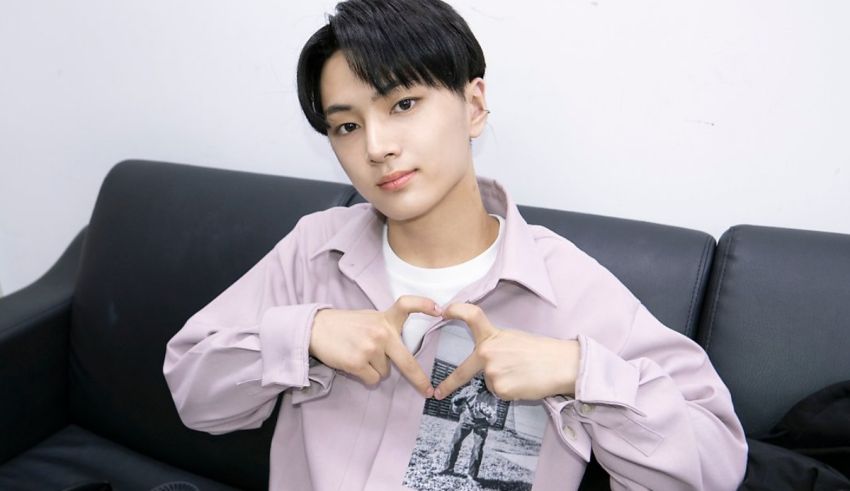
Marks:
<point>472,439</point>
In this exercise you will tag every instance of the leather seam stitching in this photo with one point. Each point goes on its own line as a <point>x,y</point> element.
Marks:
<point>689,326</point>
<point>719,288</point>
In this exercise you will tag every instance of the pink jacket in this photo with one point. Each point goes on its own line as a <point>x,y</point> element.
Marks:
<point>648,402</point>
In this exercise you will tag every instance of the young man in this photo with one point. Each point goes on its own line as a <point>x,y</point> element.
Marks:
<point>367,317</point>
<point>477,409</point>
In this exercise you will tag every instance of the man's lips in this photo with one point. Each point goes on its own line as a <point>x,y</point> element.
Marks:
<point>396,180</point>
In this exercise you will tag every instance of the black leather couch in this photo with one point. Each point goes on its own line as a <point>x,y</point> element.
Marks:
<point>83,399</point>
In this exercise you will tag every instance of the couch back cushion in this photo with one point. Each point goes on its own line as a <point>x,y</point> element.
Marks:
<point>163,240</point>
<point>666,267</point>
<point>776,321</point>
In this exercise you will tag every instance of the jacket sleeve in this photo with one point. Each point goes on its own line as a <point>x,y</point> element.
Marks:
<point>229,362</point>
<point>656,414</point>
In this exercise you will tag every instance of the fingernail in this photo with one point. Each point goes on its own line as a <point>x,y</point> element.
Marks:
<point>438,394</point>
<point>429,393</point>
<point>438,309</point>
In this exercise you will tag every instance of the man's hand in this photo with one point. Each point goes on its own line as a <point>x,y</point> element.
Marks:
<point>360,342</point>
<point>516,365</point>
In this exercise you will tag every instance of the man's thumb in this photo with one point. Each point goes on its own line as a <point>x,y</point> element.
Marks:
<point>408,304</point>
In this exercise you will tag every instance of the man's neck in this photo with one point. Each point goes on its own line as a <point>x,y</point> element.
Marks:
<point>456,230</point>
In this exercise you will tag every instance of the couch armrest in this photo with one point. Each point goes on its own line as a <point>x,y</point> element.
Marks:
<point>34,330</point>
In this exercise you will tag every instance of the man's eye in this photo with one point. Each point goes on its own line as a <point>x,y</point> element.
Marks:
<point>345,128</point>
<point>406,104</point>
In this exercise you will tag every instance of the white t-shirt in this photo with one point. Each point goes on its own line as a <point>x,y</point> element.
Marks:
<point>438,284</point>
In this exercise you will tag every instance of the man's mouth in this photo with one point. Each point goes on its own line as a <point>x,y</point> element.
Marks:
<point>396,180</point>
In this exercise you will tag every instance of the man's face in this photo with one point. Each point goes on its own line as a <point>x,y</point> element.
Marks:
<point>420,129</point>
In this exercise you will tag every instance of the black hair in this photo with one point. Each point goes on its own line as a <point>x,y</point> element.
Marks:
<point>389,43</point>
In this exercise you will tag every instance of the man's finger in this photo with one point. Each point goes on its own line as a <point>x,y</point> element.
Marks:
<point>474,317</point>
<point>380,364</point>
<point>408,304</point>
<point>409,367</point>
<point>368,375</point>
<point>461,375</point>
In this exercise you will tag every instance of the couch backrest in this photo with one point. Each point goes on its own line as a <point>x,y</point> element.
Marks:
<point>163,240</point>
<point>666,267</point>
<point>776,321</point>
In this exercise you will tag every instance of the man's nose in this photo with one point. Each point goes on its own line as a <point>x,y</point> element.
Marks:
<point>381,144</point>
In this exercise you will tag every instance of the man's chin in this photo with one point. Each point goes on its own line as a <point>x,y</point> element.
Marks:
<point>401,212</point>
<point>400,218</point>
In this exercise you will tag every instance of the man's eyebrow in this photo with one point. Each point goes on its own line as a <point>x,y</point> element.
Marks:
<point>338,108</point>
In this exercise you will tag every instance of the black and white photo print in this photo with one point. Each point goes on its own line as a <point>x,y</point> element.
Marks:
<point>472,439</point>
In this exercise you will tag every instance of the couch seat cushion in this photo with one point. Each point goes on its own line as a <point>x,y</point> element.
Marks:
<point>73,456</point>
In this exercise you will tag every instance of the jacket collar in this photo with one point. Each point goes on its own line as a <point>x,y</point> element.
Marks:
<point>519,259</point>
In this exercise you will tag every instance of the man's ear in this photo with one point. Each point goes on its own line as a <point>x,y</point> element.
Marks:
<point>476,106</point>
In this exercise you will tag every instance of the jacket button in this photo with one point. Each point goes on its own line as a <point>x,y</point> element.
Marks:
<point>585,409</point>
<point>570,432</point>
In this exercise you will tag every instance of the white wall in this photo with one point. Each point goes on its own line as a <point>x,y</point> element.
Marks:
<point>699,114</point>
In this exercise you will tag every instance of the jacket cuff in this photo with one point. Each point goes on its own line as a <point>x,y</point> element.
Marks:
<point>567,426</point>
<point>605,378</point>
<point>321,380</point>
<point>285,342</point>
<point>606,393</point>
